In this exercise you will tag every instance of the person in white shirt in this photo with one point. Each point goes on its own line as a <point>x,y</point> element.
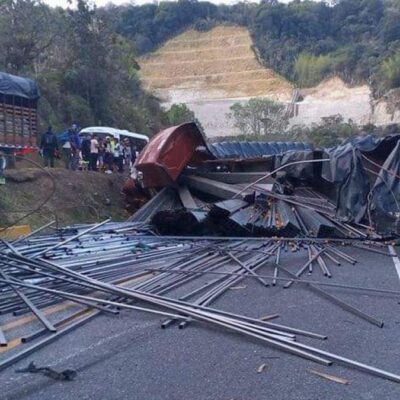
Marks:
<point>94,153</point>
<point>67,154</point>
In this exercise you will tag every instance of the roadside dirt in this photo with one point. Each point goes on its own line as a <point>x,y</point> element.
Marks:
<point>79,197</point>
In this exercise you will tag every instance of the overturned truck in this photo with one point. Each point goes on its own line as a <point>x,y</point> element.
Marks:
<point>268,189</point>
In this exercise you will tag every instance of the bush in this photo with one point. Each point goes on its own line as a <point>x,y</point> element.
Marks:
<point>390,72</point>
<point>310,70</point>
<point>178,114</point>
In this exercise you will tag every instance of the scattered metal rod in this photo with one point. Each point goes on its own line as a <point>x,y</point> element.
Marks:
<point>40,316</point>
<point>295,280</point>
<point>85,232</point>
<point>303,268</point>
<point>340,303</point>
<point>36,231</point>
<point>87,277</point>
<point>3,340</point>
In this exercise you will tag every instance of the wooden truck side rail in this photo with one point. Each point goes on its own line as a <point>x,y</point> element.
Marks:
<point>18,123</point>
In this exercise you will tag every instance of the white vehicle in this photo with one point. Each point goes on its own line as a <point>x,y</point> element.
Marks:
<point>120,134</point>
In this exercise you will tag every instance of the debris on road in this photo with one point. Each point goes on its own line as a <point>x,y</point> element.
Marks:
<point>91,265</point>
<point>217,216</point>
<point>261,368</point>
<point>66,375</point>
<point>329,377</point>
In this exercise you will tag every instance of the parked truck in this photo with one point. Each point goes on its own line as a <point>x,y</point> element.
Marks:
<point>18,116</point>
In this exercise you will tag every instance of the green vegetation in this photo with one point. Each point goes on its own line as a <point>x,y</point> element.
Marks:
<point>84,58</point>
<point>260,117</point>
<point>390,71</point>
<point>310,70</point>
<point>86,71</point>
<point>305,41</point>
<point>178,114</point>
<point>265,120</point>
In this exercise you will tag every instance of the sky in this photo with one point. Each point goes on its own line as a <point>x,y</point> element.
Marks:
<point>100,3</point>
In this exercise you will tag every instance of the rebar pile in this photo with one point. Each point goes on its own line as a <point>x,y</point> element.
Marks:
<point>110,267</point>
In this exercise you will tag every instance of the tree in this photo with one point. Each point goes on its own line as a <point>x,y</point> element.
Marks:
<point>178,114</point>
<point>25,33</point>
<point>259,117</point>
<point>331,131</point>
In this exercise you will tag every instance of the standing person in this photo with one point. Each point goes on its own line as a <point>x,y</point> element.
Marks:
<point>108,155</point>
<point>48,146</point>
<point>118,156</point>
<point>75,148</point>
<point>127,153</point>
<point>66,151</point>
<point>85,148</point>
<point>101,154</point>
<point>133,153</point>
<point>94,153</point>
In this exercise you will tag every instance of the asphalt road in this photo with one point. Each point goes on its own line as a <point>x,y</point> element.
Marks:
<point>130,357</point>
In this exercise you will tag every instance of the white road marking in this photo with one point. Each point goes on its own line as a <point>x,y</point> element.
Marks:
<point>395,259</point>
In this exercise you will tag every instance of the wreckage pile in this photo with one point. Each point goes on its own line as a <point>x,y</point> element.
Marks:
<point>270,189</point>
<point>217,216</point>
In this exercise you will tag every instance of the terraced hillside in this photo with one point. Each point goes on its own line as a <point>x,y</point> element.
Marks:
<point>209,71</point>
<point>219,63</point>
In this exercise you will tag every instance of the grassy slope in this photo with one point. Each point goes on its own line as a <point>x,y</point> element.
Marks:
<point>79,196</point>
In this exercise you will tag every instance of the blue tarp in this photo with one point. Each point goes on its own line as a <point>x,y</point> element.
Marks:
<point>12,85</point>
<point>248,150</point>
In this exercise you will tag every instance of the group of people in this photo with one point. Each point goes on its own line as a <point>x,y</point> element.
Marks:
<point>91,152</point>
<point>107,153</point>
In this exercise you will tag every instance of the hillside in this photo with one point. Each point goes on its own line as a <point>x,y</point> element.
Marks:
<point>209,71</point>
<point>79,197</point>
<point>216,64</point>
<point>85,58</point>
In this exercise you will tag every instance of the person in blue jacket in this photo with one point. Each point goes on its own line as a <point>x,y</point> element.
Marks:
<point>49,146</point>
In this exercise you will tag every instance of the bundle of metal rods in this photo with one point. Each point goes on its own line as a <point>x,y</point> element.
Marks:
<point>98,268</point>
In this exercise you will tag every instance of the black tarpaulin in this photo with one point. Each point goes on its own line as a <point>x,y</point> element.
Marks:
<point>352,202</point>
<point>12,85</point>
<point>348,169</point>
<point>303,171</point>
<point>385,194</point>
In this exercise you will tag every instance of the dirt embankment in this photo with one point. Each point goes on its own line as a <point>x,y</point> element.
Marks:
<point>79,197</point>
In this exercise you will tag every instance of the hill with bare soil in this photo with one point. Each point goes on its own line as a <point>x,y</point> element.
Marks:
<point>209,71</point>
<point>216,64</point>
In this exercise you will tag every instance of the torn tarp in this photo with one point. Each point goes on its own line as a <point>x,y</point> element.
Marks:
<point>355,167</point>
<point>385,194</point>
<point>352,201</point>
<point>304,171</point>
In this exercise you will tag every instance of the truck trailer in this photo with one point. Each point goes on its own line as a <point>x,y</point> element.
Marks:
<point>18,113</point>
